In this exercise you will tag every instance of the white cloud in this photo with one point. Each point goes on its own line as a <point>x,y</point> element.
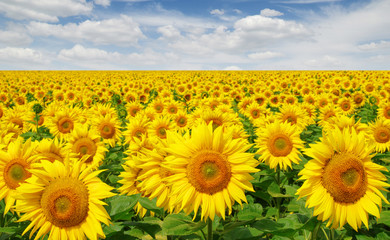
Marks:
<point>95,58</point>
<point>264,55</point>
<point>19,58</point>
<point>266,12</point>
<point>104,3</point>
<point>14,38</point>
<point>375,45</point>
<point>169,32</point>
<point>218,12</point>
<point>232,68</point>
<point>121,31</point>
<point>44,10</point>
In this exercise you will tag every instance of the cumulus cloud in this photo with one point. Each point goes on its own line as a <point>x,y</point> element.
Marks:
<point>122,31</point>
<point>95,58</point>
<point>218,12</point>
<point>264,55</point>
<point>44,10</point>
<point>232,68</point>
<point>22,58</point>
<point>14,38</point>
<point>266,12</point>
<point>375,45</point>
<point>104,3</point>
<point>169,32</point>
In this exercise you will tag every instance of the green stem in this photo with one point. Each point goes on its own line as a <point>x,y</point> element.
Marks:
<point>209,229</point>
<point>315,231</point>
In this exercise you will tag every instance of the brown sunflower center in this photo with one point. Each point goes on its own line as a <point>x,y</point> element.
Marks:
<point>387,112</point>
<point>382,134</point>
<point>18,122</point>
<point>345,106</point>
<point>65,125</point>
<point>290,117</point>
<point>15,173</point>
<point>255,113</point>
<point>182,121</point>
<point>107,130</point>
<point>65,202</point>
<point>161,132</point>
<point>345,178</point>
<point>85,146</point>
<point>209,172</point>
<point>280,145</point>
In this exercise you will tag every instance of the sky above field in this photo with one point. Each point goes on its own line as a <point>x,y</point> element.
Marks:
<point>195,35</point>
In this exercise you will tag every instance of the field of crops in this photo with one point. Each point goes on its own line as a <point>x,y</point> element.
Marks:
<point>194,155</point>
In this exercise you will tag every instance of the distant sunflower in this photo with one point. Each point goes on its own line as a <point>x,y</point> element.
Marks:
<point>279,144</point>
<point>65,201</point>
<point>86,144</point>
<point>62,124</point>
<point>52,150</point>
<point>347,105</point>
<point>15,167</point>
<point>209,170</point>
<point>137,127</point>
<point>108,126</point>
<point>384,110</point>
<point>159,127</point>
<point>341,181</point>
<point>379,134</point>
<point>294,115</point>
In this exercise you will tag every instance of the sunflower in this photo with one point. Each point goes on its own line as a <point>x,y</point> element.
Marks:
<point>379,134</point>
<point>159,127</point>
<point>294,115</point>
<point>62,124</point>
<point>181,121</point>
<point>15,167</point>
<point>347,105</point>
<point>52,150</point>
<point>65,201</point>
<point>137,127</point>
<point>130,182</point>
<point>341,181</point>
<point>384,110</point>
<point>327,113</point>
<point>108,126</point>
<point>86,142</point>
<point>209,170</point>
<point>279,144</point>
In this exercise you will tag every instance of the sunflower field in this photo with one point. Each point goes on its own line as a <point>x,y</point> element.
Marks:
<point>195,155</point>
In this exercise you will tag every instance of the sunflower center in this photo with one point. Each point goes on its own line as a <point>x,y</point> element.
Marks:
<point>18,122</point>
<point>107,131</point>
<point>65,202</point>
<point>161,132</point>
<point>182,122</point>
<point>291,118</point>
<point>209,172</point>
<point>65,125</point>
<point>15,173</point>
<point>345,178</point>
<point>255,113</point>
<point>85,146</point>
<point>280,145</point>
<point>345,106</point>
<point>382,134</point>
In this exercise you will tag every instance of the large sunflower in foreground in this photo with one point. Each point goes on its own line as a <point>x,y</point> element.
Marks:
<point>15,167</point>
<point>209,169</point>
<point>279,144</point>
<point>341,181</point>
<point>65,201</point>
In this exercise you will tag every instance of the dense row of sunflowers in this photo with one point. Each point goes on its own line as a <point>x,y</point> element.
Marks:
<point>192,141</point>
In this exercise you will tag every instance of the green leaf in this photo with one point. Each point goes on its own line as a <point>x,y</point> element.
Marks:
<point>267,225</point>
<point>8,230</point>
<point>363,237</point>
<point>385,218</point>
<point>122,204</point>
<point>150,205</point>
<point>243,233</point>
<point>181,225</point>
<point>232,225</point>
<point>274,191</point>
<point>250,211</point>
<point>149,228</point>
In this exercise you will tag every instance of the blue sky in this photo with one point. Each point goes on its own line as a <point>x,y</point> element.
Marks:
<point>195,35</point>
